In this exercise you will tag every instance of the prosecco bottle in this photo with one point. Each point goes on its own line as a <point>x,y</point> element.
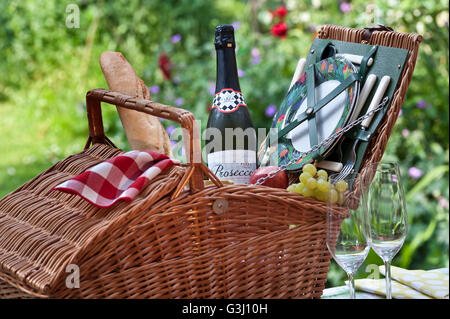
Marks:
<point>230,135</point>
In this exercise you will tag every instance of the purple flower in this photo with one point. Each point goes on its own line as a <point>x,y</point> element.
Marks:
<point>173,143</point>
<point>154,89</point>
<point>241,73</point>
<point>443,202</point>
<point>236,25</point>
<point>422,105</point>
<point>312,28</point>
<point>178,101</point>
<point>255,56</point>
<point>176,80</point>
<point>270,110</point>
<point>175,38</point>
<point>345,7</point>
<point>400,113</point>
<point>236,48</point>
<point>415,173</point>
<point>212,88</point>
<point>170,129</point>
<point>256,60</point>
<point>405,132</point>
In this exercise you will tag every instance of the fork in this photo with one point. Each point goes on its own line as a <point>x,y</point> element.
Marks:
<point>348,167</point>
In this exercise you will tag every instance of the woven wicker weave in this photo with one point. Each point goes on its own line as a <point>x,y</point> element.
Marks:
<point>171,242</point>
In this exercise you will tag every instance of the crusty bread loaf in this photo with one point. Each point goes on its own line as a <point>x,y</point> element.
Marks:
<point>143,131</point>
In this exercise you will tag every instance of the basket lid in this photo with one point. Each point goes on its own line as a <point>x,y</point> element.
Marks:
<point>42,231</point>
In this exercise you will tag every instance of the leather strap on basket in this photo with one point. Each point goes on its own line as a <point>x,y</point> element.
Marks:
<point>311,108</point>
<point>369,30</point>
<point>325,51</point>
<point>363,65</point>
<point>320,104</point>
<point>187,120</point>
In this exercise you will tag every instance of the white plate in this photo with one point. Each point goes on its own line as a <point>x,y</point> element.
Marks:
<point>327,118</point>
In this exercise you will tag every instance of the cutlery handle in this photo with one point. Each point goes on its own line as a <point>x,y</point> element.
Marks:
<point>298,71</point>
<point>330,165</point>
<point>363,95</point>
<point>356,59</point>
<point>382,87</point>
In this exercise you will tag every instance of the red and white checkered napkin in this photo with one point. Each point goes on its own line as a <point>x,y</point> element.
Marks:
<point>120,177</point>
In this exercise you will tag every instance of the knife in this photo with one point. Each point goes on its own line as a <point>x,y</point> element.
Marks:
<point>379,93</point>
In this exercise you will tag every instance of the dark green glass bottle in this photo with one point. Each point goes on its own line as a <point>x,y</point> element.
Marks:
<point>230,136</point>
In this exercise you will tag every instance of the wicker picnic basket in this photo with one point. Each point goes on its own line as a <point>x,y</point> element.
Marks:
<point>218,241</point>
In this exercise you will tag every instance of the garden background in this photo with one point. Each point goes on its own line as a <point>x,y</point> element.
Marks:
<point>46,69</point>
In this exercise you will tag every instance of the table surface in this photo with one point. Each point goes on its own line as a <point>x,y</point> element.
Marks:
<point>342,292</point>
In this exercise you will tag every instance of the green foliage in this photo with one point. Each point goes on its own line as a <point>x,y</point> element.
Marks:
<point>47,68</point>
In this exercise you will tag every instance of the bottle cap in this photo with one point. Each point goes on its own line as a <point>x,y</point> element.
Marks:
<point>224,36</point>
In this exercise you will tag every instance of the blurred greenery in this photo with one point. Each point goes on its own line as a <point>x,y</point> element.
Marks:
<point>46,68</point>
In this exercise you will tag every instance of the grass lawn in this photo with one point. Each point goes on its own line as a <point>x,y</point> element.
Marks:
<point>29,144</point>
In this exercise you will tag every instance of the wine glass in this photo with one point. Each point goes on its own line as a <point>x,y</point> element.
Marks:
<point>384,200</point>
<point>346,227</point>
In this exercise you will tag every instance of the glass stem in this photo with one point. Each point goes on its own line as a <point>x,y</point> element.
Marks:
<point>351,285</point>
<point>387,269</point>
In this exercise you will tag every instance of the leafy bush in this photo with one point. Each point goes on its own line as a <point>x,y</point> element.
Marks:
<point>47,68</point>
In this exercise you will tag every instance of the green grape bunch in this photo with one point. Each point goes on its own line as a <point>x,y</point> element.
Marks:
<point>315,183</point>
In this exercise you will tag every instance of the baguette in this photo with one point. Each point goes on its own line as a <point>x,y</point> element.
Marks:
<point>143,131</point>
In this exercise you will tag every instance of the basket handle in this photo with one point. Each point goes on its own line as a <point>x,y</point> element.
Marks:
<point>194,174</point>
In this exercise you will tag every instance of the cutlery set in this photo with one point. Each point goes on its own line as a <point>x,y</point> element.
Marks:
<point>332,109</point>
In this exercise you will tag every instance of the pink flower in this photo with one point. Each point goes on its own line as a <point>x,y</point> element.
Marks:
<point>345,7</point>
<point>405,132</point>
<point>415,172</point>
<point>443,202</point>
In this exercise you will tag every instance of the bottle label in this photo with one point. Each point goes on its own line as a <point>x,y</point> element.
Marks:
<point>233,165</point>
<point>228,100</point>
